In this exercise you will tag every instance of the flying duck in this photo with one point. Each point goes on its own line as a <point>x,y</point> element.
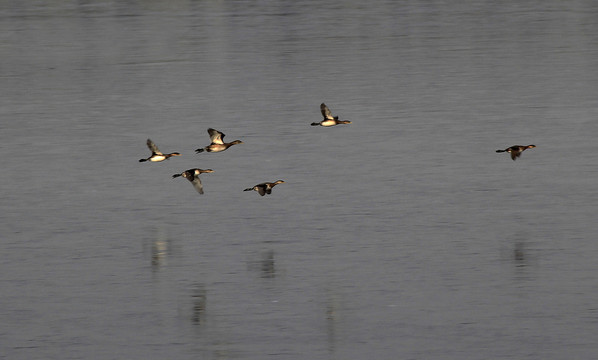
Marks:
<point>329,120</point>
<point>516,150</point>
<point>157,155</point>
<point>217,144</point>
<point>193,176</point>
<point>264,188</point>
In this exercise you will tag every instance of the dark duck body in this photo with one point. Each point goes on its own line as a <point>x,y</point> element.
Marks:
<point>217,144</point>
<point>193,176</point>
<point>329,120</point>
<point>516,150</point>
<point>264,188</point>
<point>157,155</point>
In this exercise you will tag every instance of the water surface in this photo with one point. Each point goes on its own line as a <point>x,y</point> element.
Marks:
<point>402,235</point>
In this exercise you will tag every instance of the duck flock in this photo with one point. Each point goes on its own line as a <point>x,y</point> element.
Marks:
<point>217,144</point>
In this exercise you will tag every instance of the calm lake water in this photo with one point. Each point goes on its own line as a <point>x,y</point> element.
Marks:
<point>400,236</point>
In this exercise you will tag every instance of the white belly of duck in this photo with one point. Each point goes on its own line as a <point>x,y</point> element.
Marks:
<point>328,123</point>
<point>158,158</point>
<point>216,148</point>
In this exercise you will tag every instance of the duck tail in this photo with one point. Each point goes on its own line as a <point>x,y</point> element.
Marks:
<point>199,151</point>
<point>142,160</point>
<point>248,189</point>
<point>500,150</point>
<point>176,175</point>
<point>315,124</point>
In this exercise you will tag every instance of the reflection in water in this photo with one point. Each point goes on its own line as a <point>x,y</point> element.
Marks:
<point>331,322</point>
<point>517,251</point>
<point>265,265</point>
<point>198,299</point>
<point>268,264</point>
<point>519,256</point>
<point>330,325</point>
<point>159,249</point>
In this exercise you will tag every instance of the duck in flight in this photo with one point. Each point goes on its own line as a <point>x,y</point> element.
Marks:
<point>193,176</point>
<point>516,150</point>
<point>264,188</point>
<point>329,120</point>
<point>157,155</point>
<point>217,145</point>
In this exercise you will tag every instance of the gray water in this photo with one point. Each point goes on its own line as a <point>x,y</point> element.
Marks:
<point>400,236</point>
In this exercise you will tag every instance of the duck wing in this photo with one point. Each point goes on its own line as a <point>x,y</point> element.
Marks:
<point>216,136</point>
<point>515,154</point>
<point>326,111</point>
<point>197,184</point>
<point>261,189</point>
<point>193,176</point>
<point>153,148</point>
